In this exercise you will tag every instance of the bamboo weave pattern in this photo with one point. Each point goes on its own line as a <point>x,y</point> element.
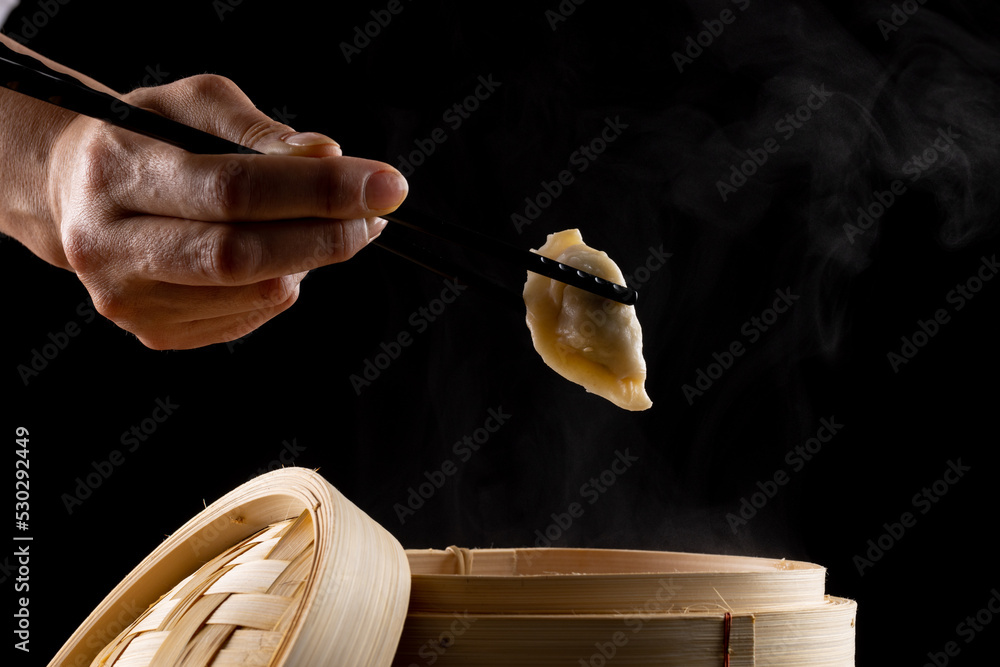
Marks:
<point>235,610</point>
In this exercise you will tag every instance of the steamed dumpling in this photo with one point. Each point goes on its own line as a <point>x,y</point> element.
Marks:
<point>589,340</point>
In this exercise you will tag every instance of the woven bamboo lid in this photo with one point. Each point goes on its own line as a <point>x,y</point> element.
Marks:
<point>283,570</point>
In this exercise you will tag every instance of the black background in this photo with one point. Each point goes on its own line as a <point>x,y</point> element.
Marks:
<point>654,186</point>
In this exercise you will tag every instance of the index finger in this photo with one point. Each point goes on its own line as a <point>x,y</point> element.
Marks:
<point>233,188</point>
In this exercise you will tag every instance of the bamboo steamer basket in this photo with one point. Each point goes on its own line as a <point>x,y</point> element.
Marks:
<point>283,570</point>
<point>286,571</point>
<point>586,607</point>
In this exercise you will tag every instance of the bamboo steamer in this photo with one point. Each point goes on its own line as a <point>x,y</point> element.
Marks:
<point>283,570</point>
<point>586,607</point>
<point>286,571</point>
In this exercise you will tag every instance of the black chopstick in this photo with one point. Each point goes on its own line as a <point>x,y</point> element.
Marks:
<point>391,241</point>
<point>512,255</point>
<point>30,76</point>
<point>27,75</point>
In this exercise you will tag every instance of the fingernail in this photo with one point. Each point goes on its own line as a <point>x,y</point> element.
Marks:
<point>375,227</point>
<point>385,189</point>
<point>307,139</point>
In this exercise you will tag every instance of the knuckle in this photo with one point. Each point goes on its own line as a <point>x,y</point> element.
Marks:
<point>101,160</point>
<point>102,176</point>
<point>115,306</point>
<point>81,248</point>
<point>342,241</point>
<point>340,194</point>
<point>211,85</point>
<point>328,246</point>
<point>259,130</point>
<point>155,340</point>
<point>147,97</point>
<point>276,291</point>
<point>226,194</point>
<point>229,255</point>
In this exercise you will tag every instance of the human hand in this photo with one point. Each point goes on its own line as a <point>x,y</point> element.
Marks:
<point>187,250</point>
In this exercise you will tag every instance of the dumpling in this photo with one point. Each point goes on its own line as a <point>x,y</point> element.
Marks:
<point>589,340</point>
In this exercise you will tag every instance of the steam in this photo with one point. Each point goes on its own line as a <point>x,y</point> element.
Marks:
<point>892,101</point>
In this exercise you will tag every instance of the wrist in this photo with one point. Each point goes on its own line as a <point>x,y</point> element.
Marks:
<point>34,168</point>
<point>29,130</point>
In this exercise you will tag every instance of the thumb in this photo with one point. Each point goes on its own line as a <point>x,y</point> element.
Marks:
<point>216,105</point>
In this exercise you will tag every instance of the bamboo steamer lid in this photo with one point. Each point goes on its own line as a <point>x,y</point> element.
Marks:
<point>283,570</point>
